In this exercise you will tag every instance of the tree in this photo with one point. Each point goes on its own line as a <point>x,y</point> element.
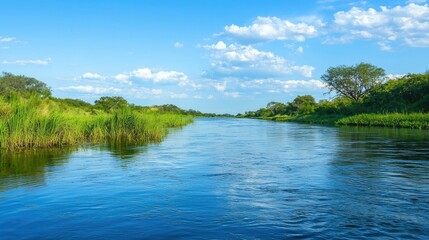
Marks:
<point>276,108</point>
<point>304,104</point>
<point>111,103</point>
<point>10,83</point>
<point>353,82</point>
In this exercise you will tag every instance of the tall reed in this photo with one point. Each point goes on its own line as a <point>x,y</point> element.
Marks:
<point>35,122</point>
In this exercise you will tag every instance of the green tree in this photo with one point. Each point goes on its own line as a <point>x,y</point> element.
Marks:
<point>110,103</point>
<point>276,108</point>
<point>304,104</point>
<point>263,112</point>
<point>353,82</point>
<point>10,83</point>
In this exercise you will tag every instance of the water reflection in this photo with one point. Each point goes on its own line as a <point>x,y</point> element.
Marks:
<point>125,154</point>
<point>29,167</point>
<point>122,152</point>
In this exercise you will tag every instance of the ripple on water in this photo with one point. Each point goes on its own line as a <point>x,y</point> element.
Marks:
<point>222,179</point>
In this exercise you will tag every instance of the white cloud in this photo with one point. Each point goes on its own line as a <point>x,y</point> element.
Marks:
<point>300,49</point>
<point>123,78</point>
<point>273,28</point>
<point>232,94</point>
<point>178,45</point>
<point>394,76</point>
<point>246,60</point>
<point>305,70</point>
<point>156,91</point>
<point>408,24</point>
<point>157,76</point>
<point>416,1</point>
<point>26,62</point>
<point>179,95</point>
<point>6,39</point>
<point>384,46</point>
<point>91,89</point>
<point>180,78</point>
<point>93,76</point>
<point>220,86</point>
<point>274,85</point>
<point>218,46</point>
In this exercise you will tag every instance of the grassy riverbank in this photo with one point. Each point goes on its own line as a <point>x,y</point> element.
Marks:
<point>31,118</point>
<point>393,120</point>
<point>398,103</point>
<point>34,122</point>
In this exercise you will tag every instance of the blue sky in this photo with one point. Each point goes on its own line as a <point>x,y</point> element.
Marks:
<point>214,56</point>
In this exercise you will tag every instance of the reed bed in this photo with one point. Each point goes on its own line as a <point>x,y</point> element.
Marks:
<point>38,123</point>
<point>396,120</point>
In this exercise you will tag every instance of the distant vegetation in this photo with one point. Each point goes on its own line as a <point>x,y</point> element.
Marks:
<point>364,98</point>
<point>31,118</point>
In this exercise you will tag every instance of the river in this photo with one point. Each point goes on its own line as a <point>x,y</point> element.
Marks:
<point>224,179</point>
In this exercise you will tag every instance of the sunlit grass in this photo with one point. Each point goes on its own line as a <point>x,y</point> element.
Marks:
<point>37,123</point>
<point>414,120</point>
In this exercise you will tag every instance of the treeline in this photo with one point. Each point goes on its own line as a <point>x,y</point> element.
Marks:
<point>11,84</point>
<point>30,117</point>
<point>361,99</point>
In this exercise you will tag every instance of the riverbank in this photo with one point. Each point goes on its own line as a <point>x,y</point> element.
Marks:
<point>392,120</point>
<point>398,103</point>
<point>33,122</point>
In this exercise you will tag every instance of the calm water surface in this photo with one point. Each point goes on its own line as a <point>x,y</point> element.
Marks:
<point>225,179</point>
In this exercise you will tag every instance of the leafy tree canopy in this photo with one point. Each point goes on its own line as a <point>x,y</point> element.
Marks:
<point>10,83</point>
<point>111,103</point>
<point>304,104</point>
<point>353,82</point>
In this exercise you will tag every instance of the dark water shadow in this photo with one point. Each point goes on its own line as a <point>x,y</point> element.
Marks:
<point>29,167</point>
<point>125,154</point>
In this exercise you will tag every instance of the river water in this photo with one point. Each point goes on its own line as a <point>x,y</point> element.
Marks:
<point>225,179</point>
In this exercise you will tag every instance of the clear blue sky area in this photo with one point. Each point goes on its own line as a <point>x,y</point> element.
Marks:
<point>214,56</point>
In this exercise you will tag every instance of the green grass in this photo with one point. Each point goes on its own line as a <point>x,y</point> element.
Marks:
<point>395,120</point>
<point>392,120</point>
<point>313,118</point>
<point>38,123</point>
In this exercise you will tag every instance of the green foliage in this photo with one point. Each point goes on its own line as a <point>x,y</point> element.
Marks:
<point>35,123</point>
<point>300,105</point>
<point>109,104</point>
<point>17,84</point>
<point>31,118</point>
<point>387,105</point>
<point>407,94</point>
<point>304,104</point>
<point>277,108</point>
<point>353,82</point>
<point>74,103</point>
<point>415,120</point>
<point>169,108</point>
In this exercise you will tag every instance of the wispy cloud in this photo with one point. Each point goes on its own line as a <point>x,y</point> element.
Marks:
<point>178,45</point>
<point>6,39</point>
<point>275,85</point>
<point>91,89</point>
<point>26,62</point>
